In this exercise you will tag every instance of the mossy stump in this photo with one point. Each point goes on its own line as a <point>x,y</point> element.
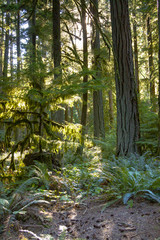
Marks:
<point>52,160</point>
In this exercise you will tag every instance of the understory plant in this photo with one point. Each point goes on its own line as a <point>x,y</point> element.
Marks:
<point>131,176</point>
<point>16,204</point>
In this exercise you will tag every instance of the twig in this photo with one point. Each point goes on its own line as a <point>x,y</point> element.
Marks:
<point>33,234</point>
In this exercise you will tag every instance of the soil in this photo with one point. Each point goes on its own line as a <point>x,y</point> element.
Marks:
<point>91,219</point>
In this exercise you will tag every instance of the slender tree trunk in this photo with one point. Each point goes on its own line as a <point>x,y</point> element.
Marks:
<point>85,63</point>
<point>111,115</point>
<point>99,130</point>
<point>59,115</point>
<point>36,81</point>
<point>85,78</point>
<point>135,49</point>
<point>158,6</point>
<point>128,130</point>
<point>1,45</point>
<point>11,56</point>
<point>71,117</point>
<point>33,38</point>
<point>6,52</point>
<point>56,38</point>
<point>18,44</point>
<point>66,113</point>
<point>151,65</point>
<point>2,126</point>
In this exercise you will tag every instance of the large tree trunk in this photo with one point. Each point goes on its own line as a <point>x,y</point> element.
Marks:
<point>128,130</point>
<point>151,65</point>
<point>158,4</point>
<point>99,129</point>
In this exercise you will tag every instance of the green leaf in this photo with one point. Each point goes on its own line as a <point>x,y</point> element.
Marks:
<point>127,196</point>
<point>4,202</point>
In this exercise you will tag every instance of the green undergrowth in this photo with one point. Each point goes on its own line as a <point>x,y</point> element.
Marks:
<point>133,176</point>
<point>91,174</point>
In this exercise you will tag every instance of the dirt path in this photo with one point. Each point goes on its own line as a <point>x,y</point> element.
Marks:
<point>91,220</point>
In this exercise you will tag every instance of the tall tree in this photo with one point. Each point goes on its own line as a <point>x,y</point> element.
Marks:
<point>85,77</point>
<point>59,115</point>
<point>56,38</point>
<point>6,52</point>
<point>99,129</point>
<point>135,46</point>
<point>85,62</point>
<point>151,65</point>
<point>18,42</point>
<point>1,44</point>
<point>158,6</point>
<point>128,130</point>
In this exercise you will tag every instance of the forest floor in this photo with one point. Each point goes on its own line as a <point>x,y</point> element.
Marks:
<point>91,219</point>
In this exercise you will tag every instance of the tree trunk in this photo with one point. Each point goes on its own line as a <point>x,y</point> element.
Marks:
<point>1,45</point>
<point>18,44</point>
<point>158,5</point>
<point>11,55</point>
<point>6,52</point>
<point>66,113</point>
<point>128,130</point>
<point>99,130</point>
<point>56,39</point>
<point>85,62</point>
<point>71,117</point>
<point>59,115</point>
<point>111,115</point>
<point>135,49</point>
<point>151,65</point>
<point>85,78</point>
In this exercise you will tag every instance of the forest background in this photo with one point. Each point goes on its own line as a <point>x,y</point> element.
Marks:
<point>79,93</point>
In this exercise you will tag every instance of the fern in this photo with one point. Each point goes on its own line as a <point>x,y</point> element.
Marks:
<point>133,176</point>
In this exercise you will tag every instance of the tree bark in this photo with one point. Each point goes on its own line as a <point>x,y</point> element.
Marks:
<point>66,113</point>
<point>56,39</point>
<point>18,43</point>
<point>99,129</point>
<point>85,78</point>
<point>59,115</point>
<point>135,49</point>
<point>128,130</point>
<point>158,6</point>
<point>11,55</point>
<point>111,115</point>
<point>6,52</point>
<point>1,45</point>
<point>151,65</point>
<point>85,63</point>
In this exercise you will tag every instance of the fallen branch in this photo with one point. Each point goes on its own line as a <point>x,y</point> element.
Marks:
<point>33,234</point>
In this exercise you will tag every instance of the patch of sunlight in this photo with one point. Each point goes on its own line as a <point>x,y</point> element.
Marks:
<point>46,237</point>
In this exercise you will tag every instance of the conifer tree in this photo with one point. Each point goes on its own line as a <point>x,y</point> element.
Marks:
<point>128,130</point>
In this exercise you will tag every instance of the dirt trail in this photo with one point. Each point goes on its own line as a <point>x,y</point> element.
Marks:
<point>91,220</point>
